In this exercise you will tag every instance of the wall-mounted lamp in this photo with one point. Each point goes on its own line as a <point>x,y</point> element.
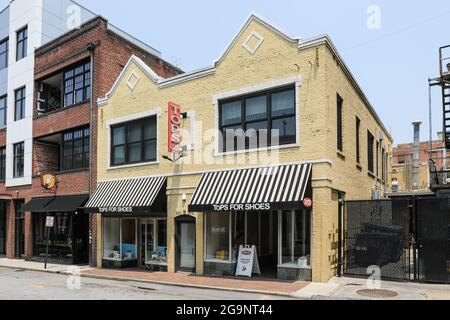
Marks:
<point>183,197</point>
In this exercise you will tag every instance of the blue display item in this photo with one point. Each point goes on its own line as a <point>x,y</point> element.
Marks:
<point>128,248</point>
<point>162,250</point>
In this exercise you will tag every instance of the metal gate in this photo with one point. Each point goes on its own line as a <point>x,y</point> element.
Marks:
<point>405,239</point>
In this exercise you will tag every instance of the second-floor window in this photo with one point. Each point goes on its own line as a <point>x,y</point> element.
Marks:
<point>19,104</point>
<point>3,109</point>
<point>358,137</point>
<point>4,53</point>
<point>259,120</point>
<point>134,142</point>
<point>19,159</point>
<point>340,142</point>
<point>3,164</point>
<point>22,43</point>
<point>75,149</point>
<point>370,146</point>
<point>77,84</point>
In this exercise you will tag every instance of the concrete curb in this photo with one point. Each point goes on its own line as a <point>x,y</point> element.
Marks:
<point>184,285</point>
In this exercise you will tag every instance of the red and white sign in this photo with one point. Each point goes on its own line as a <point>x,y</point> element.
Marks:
<point>307,202</point>
<point>174,129</point>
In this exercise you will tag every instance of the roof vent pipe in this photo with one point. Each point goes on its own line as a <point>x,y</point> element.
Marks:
<point>416,150</point>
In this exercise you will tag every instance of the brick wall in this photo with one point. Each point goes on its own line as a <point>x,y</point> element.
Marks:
<point>45,158</point>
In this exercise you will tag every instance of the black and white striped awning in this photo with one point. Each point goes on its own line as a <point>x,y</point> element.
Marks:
<point>257,189</point>
<point>125,196</point>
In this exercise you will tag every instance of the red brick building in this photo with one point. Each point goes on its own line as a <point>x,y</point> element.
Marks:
<point>64,138</point>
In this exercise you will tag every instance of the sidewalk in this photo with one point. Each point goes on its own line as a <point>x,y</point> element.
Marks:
<point>355,288</point>
<point>35,266</point>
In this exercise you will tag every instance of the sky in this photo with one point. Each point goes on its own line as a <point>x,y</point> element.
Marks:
<point>392,60</point>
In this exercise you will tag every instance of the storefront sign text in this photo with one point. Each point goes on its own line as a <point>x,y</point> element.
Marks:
<point>242,207</point>
<point>175,129</point>
<point>115,210</point>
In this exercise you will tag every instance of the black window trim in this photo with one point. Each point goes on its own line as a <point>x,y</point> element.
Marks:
<point>370,153</point>
<point>339,123</point>
<point>142,141</point>
<point>269,118</point>
<point>83,138</point>
<point>358,140</point>
<point>6,52</point>
<point>86,97</point>
<point>17,156</point>
<point>24,40</point>
<point>23,99</point>
<point>5,110</point>
<point>3,164</point>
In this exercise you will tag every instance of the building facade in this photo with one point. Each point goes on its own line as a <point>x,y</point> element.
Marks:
<point>72,69</point>
<point>256,150</point>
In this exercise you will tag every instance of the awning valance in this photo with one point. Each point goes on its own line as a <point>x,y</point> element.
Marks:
<point>55,204</point>
<point>125,196</point>
<point>255,189</point>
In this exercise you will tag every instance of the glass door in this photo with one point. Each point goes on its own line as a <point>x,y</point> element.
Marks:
<point>186,245</point>
<point>147,240</point>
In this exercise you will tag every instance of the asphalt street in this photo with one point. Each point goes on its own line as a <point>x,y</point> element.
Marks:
<point>31,285</point>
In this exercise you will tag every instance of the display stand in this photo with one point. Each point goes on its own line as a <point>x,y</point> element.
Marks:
<point>247,263</point>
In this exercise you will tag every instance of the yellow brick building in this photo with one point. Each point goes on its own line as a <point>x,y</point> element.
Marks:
<point>263,76</point>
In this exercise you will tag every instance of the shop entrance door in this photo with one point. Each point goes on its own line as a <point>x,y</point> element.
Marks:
<point>147,240</point>
<point>2,227</point>
<point>185,244</point>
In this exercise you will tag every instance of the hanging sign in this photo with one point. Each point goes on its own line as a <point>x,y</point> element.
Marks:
<point>48,182</point>
<point>307,202</point>
<point>247,263</point>
<point>174,133</point>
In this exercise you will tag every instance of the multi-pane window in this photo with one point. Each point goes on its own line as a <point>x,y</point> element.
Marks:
<point>358,144</point>
<point>3,164</point>
<point>4,44</point>
<point>3,109</point>
<point>19,104</point>
<point>134,142</point>
<point>77,84</point>
<point>370,146</point>
<point>19,159</point>
<point>340,146</point>
<point>22,43</point>
<point>259,120</point>
<point>75,149</point>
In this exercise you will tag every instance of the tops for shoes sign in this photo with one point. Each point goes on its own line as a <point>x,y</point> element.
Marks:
<point>174,135</point>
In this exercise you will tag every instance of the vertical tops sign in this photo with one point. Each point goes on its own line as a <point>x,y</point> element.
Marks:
<point>175,130</point>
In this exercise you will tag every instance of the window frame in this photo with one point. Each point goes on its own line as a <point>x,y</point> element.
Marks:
<point>358,140</point>
<point>4,110</point>
<point>85,73</point>
<point>16,157</point>
<point>125,125</point>
<point>6,52</point>
<point>269,118</point>
<point>85,146</point>
<point>339,123</point>
<point>3,164</point>
<point>370,154</point>
<point>22,101</point>
<point>21,54</point>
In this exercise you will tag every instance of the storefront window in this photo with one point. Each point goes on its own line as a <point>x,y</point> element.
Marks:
<point>218,237</point>
<point>60,240</point>
<point>119,239</point>
<point>295,246</point>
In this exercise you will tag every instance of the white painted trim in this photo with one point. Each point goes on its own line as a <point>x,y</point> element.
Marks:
<point>129,84</point>
<point>188,173</point>
<point>186,77</point>
<point>154,112</point>
<point>294,80</point>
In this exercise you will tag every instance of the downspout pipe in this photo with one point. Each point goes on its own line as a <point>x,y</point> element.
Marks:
<point>91,48</point>
<point>341,204</point>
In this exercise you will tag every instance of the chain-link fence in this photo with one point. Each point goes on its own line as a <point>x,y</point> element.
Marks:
<point>377,235</point>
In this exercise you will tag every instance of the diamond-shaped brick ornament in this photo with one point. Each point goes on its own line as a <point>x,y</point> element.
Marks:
<point>253,42</point>
<point>133,80</point>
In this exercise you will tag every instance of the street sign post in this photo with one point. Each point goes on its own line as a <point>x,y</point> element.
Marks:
<point>49,223</point>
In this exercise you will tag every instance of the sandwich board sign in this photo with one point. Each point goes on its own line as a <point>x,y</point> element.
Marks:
<point>247,263</point>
